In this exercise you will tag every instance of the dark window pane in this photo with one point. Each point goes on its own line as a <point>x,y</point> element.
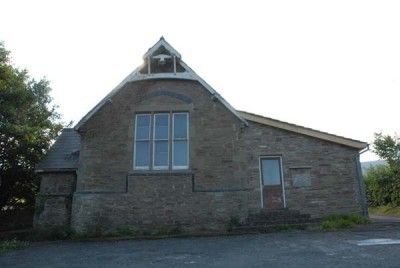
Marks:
<point>161,122</point>
<point>161,153</point>
<point>142,127</point>
<point>180,126</point>
<point>142,154</point>
<point>271,172</point>
<point>180,153</point>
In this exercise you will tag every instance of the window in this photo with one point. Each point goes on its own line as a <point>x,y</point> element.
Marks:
<point>160,141</point>
<point>165,142</point>
<point>142,141</point>
<point>180,141</point>
<point>271,171</point>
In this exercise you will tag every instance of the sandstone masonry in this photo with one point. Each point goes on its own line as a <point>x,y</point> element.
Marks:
<point>320,176</point>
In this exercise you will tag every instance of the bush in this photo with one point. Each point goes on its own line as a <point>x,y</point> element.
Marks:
<point>164,231</point>
<point>16,219</point>
<point>335,222</point>
<point>51,233</point>
<point>125,231</point>
<point>12,244</point>
<point>385,210</point>
<point>232,223</point>
<point>383,182</point>
<point>382,186</point>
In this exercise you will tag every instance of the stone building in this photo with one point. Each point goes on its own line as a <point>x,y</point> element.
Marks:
<point>164,149</point>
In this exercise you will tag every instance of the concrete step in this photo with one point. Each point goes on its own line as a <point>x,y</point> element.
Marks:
<point>283,214</point>
<point>266,220</point>
<point>280,221</point>
<point>280,217</point>
<point>245,229</point>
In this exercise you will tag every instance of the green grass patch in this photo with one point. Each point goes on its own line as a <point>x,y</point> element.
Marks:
<point>125,231</point>
<point>128,231</point>
<point>233,222</point>
<point>336,222</point>
<point>385,211</point>
<point>13,244</point>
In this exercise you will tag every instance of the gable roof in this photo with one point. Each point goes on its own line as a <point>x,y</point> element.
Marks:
<point>303,130</point>
<point>162,43</point>
<point>188,74</point>
<point>64,154</point>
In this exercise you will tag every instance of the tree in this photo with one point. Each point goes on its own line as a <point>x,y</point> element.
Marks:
<point>388,148</point>
<point>28,125</point>
<point>383,182</point>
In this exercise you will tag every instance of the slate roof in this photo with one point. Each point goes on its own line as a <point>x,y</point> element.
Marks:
<point>303,130</point>
<point>64,154</point>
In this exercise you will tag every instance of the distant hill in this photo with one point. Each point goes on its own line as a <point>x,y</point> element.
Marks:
<point>368,164</point>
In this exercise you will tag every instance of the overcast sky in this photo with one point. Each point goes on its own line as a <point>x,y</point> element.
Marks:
<point>329,65</point>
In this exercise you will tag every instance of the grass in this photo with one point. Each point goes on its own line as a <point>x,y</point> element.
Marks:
<point>66,233</point>
<point>336,222</point>
<point>125,231</point>
<point>385,211</point>
<point>15,219</point>
<point>128,231</point>
<point>13,244</point>
<point>233,222</point>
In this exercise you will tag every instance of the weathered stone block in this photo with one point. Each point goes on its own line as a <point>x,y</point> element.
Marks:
<point>223,179</point>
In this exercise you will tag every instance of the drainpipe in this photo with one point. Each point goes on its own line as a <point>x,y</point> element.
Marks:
<point>361,185</point>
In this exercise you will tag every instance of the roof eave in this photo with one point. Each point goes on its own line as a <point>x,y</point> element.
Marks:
<point>305,131</point>
<point>137,76</point>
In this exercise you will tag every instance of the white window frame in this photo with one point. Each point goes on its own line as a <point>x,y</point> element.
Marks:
<point>134,144</point>
<point>154,142</point>
<point>187,141</point>
<point>261,177</point>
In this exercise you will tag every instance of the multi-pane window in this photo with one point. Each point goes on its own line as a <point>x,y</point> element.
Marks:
<point>160,141</point>
<point>180,141</point>
<point>142,141</point>
<point>159,146</point>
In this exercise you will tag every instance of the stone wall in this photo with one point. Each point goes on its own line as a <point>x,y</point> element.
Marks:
<point>320,177</point>
<point>107,186</point>
<point>54,202</point>
<point>223,179</point>
<point>154,201</point>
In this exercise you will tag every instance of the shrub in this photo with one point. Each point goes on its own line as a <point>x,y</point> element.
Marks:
<point>335,222</point>
<point>12,244</point>
<point>164,230</point>
<point>383,182</point>
<point>382,186</point>
<point>125,231</point>
<point>52,233</point>
<point>16,219</point>
<point>385,210</point>
<point>232,223</point>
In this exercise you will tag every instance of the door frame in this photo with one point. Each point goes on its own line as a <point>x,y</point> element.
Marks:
<point>261,178</point>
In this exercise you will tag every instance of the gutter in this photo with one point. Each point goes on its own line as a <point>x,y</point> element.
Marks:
<point>366,149</point>
<point>361,184</point>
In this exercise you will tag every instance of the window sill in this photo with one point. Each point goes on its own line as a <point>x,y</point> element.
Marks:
<point>160,172</point>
